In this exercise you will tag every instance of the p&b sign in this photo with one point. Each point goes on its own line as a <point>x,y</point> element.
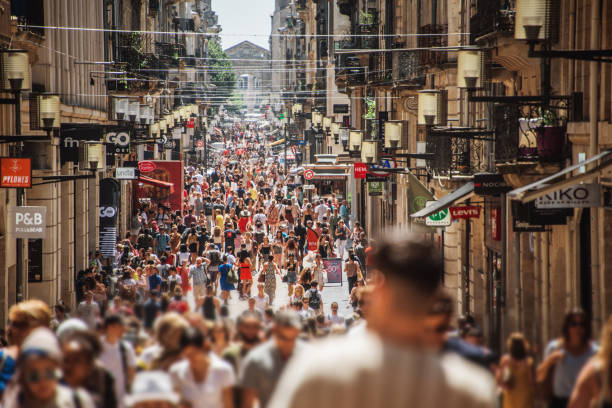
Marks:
<point>28,222</point>
<point>578,196</point>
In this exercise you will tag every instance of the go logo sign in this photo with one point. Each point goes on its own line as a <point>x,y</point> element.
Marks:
<point>107,212</point>
<point>118,138</point>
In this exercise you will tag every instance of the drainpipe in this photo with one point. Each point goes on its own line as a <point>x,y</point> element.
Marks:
<point>594,70</point>
<point>545,271</point>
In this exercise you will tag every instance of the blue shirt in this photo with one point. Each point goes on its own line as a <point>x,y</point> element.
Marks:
<point>154,282</point>
<point>343,210</point>
<point>162,242</point>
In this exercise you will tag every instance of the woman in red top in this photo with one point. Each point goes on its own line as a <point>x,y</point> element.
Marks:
<point>183,270</point>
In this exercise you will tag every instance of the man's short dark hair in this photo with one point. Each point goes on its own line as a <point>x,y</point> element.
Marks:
<point>409,258</point>
<point>113,319</point>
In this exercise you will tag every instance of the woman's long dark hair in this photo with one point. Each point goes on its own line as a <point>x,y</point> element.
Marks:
<point>567,322</point>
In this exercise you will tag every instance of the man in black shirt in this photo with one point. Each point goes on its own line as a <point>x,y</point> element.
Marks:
<point>151,310</point>
<point>229,235</point>
<point>300,233</point>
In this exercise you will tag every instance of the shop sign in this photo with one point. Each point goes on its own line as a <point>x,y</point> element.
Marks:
<point>378,170</point>
<point>73,135</point>
<point>375,188</point>
<point>15,172</point>
<point>340,108</point>
<point>120,141</point>
<point>308,187</point>
<point>28,222</point>
<point>309,174</point>
<point>191,123</point>
<point>578,196</point>
<point>360,170</point>
<point>527,214</point>
<point>440,219</point>
<point>496,224</point>
<point>467,212</point>
<point>490,184</point>
<point>126,173</point>
<point>146,166</point>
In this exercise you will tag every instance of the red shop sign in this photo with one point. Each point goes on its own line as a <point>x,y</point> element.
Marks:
<point>496,224</point>
<point>146,166</point>
<point>465,213</point>
<point>191,123</point>
<point>360,170</point>
<point>15,172</point>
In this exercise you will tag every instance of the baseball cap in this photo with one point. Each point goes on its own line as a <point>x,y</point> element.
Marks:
<point>150,386</point>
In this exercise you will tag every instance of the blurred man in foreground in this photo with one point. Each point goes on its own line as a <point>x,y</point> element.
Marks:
<point>391,367</point>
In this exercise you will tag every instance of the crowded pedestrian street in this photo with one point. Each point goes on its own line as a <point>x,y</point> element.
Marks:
<point>305,203</point>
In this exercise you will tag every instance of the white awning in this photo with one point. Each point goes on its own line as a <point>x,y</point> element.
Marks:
<point>542,187</point>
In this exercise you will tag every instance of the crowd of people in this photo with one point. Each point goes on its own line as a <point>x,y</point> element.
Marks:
<point>223,305</point>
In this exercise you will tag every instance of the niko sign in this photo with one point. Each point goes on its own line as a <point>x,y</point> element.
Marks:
<point>578,196</point>
<point>28,222</point>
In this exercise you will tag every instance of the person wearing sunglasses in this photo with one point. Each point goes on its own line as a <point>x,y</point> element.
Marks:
<point>23,318</point>
<point>564,358</point>
<point>36,383</point>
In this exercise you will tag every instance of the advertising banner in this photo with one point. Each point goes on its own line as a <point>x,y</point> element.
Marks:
<point>579,196</point>
<point>333,267</point>
<point>110,198</point>
<point>161,181</point>
<point>465,212</point>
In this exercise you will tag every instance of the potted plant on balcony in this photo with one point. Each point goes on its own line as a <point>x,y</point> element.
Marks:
<point>550,136</point>
<point>367,21</point>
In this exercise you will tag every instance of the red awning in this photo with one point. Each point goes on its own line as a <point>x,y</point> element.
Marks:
<point>156,183</point>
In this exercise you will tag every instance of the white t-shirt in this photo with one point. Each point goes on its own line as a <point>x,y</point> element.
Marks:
<point>321,210</point>
<point>208,393</point>
<point>386,375</point>
<point>111,360</point>
<point>261,303</point>
<point>337,319</point>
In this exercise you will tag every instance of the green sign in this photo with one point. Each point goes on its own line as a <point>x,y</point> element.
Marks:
<point>418,196</point>
<point>441,218</point>
<point>375,188</point>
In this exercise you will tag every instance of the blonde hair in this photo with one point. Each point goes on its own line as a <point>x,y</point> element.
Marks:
<point>34,311</point>
<point>298,286</point>
<point>605,356</point>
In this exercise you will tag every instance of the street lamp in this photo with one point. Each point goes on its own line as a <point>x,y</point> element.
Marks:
<point>169,120</point>
<point>469,68</point>
<point>144,114</point>
<point>369,151</point>
<point>344,136</point>
<point>154,131</point>
<point>133,110</point>
<point>355,137</point>
<point>163,126</point>
<point>531,16</point>
<point>120,107</point>
<point>15,74</point>
<point>428,107</point>
<point>327,123</point>
<point>44,112</point>
<point>335,130</point>
<point>297,109</point>
<point>393,134</point>
<point>317,118</point>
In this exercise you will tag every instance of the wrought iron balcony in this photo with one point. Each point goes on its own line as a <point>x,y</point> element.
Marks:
<point>430,39</point>
<point>456,155</point>
<point>407,69</point>
<point>490,19</point>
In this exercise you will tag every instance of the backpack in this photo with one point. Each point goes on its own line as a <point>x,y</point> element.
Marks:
<point>315,299</point>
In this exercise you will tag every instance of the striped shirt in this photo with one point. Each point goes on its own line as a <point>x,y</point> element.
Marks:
<point>198,274</point>
<point>363,371</point>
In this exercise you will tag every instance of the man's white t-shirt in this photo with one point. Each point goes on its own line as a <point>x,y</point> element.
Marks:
<point>261,303</point>
<point>335,319</point>
<point>321,210</point>
<point>208,393</point>
<point>363,371</point>
<point>111,360</point>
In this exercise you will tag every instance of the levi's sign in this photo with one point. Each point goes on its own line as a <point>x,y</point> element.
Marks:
<point>466,212</point>
<point>578,196</point>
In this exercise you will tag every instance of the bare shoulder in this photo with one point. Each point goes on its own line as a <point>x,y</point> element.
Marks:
<point>468,380</point>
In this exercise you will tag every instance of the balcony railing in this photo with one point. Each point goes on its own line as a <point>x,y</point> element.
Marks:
<point>431,39</point>
<point>487,21</point>
<point>407,69</point>
<point>455,155</point>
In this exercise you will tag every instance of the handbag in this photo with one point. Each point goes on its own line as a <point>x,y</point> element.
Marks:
<point>285,279</point>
